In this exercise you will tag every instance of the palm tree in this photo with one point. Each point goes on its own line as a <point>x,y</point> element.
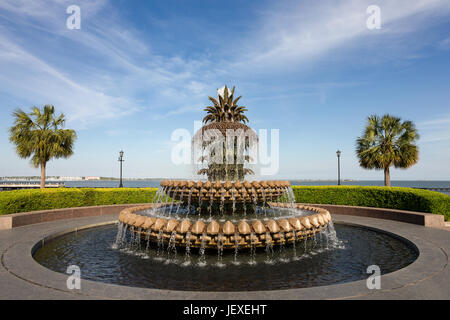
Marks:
<point>387,141</point>
<point>225,109</point>
<point>39,135</point>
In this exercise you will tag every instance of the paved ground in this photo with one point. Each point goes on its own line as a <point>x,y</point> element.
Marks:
<point>23,278</point>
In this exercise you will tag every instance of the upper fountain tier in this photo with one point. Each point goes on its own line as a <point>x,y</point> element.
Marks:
<point>194,192</point>
<point>225,145</point>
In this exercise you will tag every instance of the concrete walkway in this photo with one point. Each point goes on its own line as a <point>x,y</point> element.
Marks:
<point>21,277</point>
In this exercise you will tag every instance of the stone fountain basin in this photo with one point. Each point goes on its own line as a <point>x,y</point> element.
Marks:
<point>242,233</point>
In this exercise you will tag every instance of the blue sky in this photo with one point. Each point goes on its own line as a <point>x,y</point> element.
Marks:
<point>138,70</point>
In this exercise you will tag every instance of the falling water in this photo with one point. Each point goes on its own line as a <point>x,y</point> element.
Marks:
<point>124,234</point>
<point>200,202</point>
<point>222,200</point>
<point>189,200</point>
<point>233,197</point>
<point>321,233</point>
<point>187,258</point>
<point>171,248</point>
<point>252,249</point>
<point>137,240</point>
<point>202,258</point>
<point>332,234</point>
<point>291,197</point>
<point>244,205</point>
<point>160,242</point>
<point>264,201</point>
<point>147,238</point>
<point>132,235</point>
<point>165,201</point>
<point>255,196</point>
<point>159,194</point>
<point>271,196</point>
<point>219,249</point>
<point>120,228</point>
<point>173,200</point>
<point>294,233</point>
<point>236,248</point>
<point>269,247</point>
<point>282,247</point>
<point>305,239</point>
<point>179,203</point>
<point>211,200</point>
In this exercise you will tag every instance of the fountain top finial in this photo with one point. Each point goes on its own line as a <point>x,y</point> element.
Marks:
<point>221,91</point>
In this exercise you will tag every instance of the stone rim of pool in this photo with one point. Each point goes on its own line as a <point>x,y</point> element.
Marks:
<point>426,278</point>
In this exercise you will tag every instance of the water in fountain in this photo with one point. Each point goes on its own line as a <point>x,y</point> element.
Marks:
<point>202,258</point>
<point>236,248</point>
<point>220,241</point>
<point>269,247</point>
<point>160,242</point>
<point>187,260</point>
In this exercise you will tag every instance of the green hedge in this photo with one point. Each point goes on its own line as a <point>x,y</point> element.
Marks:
<point>381,197</point>
<point>34,200</point>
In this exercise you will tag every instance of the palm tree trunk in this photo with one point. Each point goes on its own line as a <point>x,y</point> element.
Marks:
<point>387,177</point>
<point>43,164</point>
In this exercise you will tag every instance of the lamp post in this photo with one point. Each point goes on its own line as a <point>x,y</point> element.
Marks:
<point>121,161</point>
<point>338,153</point>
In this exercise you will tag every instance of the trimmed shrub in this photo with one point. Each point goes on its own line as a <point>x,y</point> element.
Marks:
<point>48,199</point>
<point>382,197</point>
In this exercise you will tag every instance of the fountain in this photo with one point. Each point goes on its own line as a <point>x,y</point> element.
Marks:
<point>225,212</point>
<point>224,231</point>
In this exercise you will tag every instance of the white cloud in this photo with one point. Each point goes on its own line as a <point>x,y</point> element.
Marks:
<point>296,33</point>
<point>25,75</point>
<point>121,64</point>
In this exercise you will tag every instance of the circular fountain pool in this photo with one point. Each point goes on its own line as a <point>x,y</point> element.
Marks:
<point>317,262</point>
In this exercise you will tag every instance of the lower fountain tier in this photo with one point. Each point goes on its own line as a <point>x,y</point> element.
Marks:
<point>228,235</point>
<point>194,192</point>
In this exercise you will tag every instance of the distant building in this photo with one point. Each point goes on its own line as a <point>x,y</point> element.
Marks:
<point>91,178</point>
<point>65,179</point>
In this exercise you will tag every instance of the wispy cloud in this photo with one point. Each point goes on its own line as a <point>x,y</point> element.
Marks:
<point>24,74</point>
<point>435,130</point>
<point>108,70</point>
<point>122,65</point>
<point>295,33</point>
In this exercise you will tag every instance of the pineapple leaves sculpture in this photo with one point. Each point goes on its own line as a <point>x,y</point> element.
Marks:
<point>225,109</point>
<point>225,114</point>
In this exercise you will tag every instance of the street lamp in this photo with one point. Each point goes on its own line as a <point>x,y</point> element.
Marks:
<point>338,153</point>
<point>121,161</point>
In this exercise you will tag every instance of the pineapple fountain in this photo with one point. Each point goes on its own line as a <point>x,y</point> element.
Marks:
<point>223,210</point>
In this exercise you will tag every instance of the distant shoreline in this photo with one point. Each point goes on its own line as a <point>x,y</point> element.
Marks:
<point>53,179</point>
